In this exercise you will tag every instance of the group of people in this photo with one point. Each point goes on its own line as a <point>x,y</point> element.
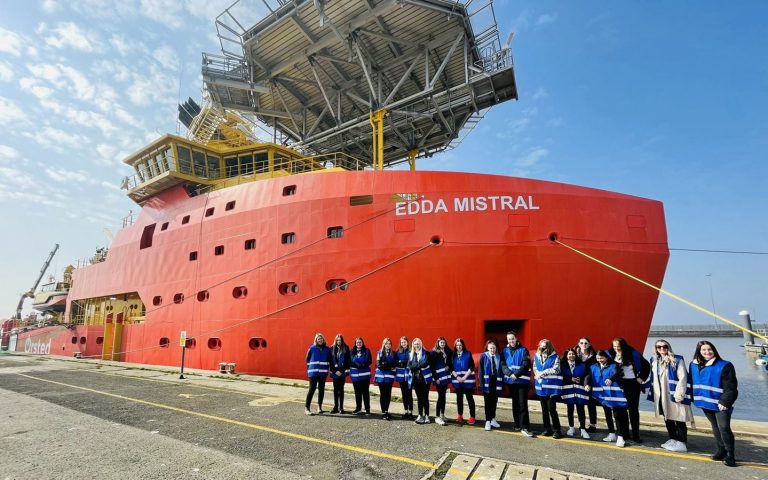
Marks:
<point>583,379</point>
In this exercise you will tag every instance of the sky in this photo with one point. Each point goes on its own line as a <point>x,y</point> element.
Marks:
<point>664,100</point>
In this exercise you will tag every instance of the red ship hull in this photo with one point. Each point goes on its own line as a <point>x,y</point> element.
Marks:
<point>482,263</point>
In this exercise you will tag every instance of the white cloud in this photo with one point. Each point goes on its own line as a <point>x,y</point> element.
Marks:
<point>16,178</point>
<point>519,125</point>
<point>51,6</point>
<point>56,139</point>
<point>162,11</point>
<point>120,72</point>
<point>32,85</point>
<point>167,57</point>
<point>532,157</point>
<point>9,112</point>
<point>546,18</point>
<point>10,42</point>
<point>8,152</point>
<point>68,34</point>
<point>539,93</point>
<point>6,72</point>
<point>555,122</point>
<point>63,175</point>
<point>106,154</point>
<point>12,193</point>
<point>153,87</point>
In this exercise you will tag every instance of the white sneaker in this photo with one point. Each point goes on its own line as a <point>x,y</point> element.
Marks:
<point>426,419</point>
<point>571,431</point>
<point>585,434</point>
<point>620,442</point>
<point>494,423</point>
<point>678,447</point>
<point>420,419</point>
<point>488,426</point>
<point>610,438</point>
<point>526,432</point>
<point>439,420</point>
<point>666,445</point>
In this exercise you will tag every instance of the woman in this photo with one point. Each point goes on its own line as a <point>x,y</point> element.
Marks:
<point>463,374</point>
<point>549,384</point>
<point>715,390</point>
<point>339,371</point>
<point>318,362</point>
<point>576,377</point>
<point>401,375</point>
<point>516,365</point>
<point>386,363</point>
<point>673,401</point>
<point>607,389</point>
<point>360,360</point>
<point>420,378</point>
<point>440,362</point>
<point>489,370</point>
<point>586,354</point>
<point>635,370</point>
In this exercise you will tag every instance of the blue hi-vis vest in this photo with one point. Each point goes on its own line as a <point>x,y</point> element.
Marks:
<point>361,366</point>
<point>671,378</point>
<point>550,385</point>
<point>460,368</point>
<point>707,384</point>
<point>441,373</point>
<point>611,396</point>
<point>572,393</point>
<point>485,360</point>
<point>514,361</point>
<point>385,367</point>
<point>401,374</point>
<point>319,361</point>
<point>421,366</point>
<point>341,364</point>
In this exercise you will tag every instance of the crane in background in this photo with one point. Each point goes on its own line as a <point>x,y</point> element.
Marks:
<point>31,292</point>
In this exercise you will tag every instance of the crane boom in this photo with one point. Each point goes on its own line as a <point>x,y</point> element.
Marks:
<point>31,292</point>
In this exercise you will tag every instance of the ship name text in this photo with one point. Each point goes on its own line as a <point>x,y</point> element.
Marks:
<point>489,203</point>
<point>37,347</point>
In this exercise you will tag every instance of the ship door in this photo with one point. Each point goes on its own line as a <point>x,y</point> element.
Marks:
<point>497,330</point>
<point>113,337</point>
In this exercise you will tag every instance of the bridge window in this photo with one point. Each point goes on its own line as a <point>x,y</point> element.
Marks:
<point>214,343</point>
<point>288,288</point>
<point>288,238</point>
<point>261,163</point>
<point>219,250</point>
<point>192,256</point>
<point>246,164</point>
<point>165,342</point>
<point>185,159</point>
<point>289,190</point>
<point>250,244</point>
<point>146,236</point>
<point>358,200</point>
<point>230,206</point>
<point>230,164</point>
<point>335,232</point>
<point>213,166</point>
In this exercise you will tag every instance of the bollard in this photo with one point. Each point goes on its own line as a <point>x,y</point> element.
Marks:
<point>747,323</point>
<point>222,367</point>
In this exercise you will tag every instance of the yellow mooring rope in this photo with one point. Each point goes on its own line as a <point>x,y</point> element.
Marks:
<point>661,290</point>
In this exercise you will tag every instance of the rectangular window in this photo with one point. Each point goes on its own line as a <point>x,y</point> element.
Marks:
<point>164,226</point>
<point>357,200</point>
<point>210,211</point>
<point>219,250</point>
<point>146,236</point>
<point>230,206</point>
<point>289,190</point>
<point>185,159</point>
<point>185,220</point>
<point>230,164</point>
<point>261,163</point>
<point>288,238</point>
<point>250,244</point>
<point>335,232</point>
<point>213,166</point>
<point>199,159</point>
<point>192,256</point>
<point>246,164</point>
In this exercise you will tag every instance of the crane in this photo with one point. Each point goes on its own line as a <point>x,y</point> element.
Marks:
<point>31,292</point>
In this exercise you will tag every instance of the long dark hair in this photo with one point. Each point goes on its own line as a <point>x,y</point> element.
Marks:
<point>354,348</point>
<point>564,358</point>
<point>337,349</point>
<point>626,351</point>
<point>698,358</point>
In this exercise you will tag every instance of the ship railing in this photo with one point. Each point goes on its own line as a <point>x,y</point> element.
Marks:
<point>226,67</point>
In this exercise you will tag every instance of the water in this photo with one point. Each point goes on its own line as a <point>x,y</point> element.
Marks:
<point>753,379</point>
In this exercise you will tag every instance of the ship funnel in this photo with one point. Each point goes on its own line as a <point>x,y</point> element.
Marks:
<point>746,321</point>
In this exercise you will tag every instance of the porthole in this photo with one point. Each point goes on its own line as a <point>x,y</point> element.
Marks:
<point>250,244</point>
<point>157,300</point>
<point>287,238</point>
<point>82,340</point>
<point>202,296</point>
<point>191,343</point>
<point>336,284</point>
<point>288,288</point>
<point>74,340</point>
<point>165,342</point>
<point>210,211</point>
<point>214,343</point>
<point>240,292</point>
<point>219,250</point>
<point>185,220</point>
<point>254,343</point>
<point>164,226</point>
<point>230,206</point>
<point>192,256</point>
<point>99,340</point>
<point>263,343</point>
<point>178,298</point>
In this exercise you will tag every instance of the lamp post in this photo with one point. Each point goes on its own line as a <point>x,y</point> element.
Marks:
<point>711,294</point>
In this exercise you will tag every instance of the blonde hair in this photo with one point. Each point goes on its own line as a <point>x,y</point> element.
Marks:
<point>413,343</point>
<point>319,335</point>
<point>669,357</point>
<point>549,349</point>
<point>384,342</point>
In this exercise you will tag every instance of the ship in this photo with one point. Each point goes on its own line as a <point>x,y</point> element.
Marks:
<point>244,248</point>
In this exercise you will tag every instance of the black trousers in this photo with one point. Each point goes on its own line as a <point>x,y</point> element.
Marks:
<point>407,394</point>
<point>721,429</point>
<point>491,399</point>
<point>440,407</point>
<point>362,394</point>
<point>520,406</point>
<point>580,411</point>
<point>549,413</point>
<point>632,392</point>
<point>422,396</point>
<point>316,383</point>
<point>460,393</point>
<point>622,421</point>
<point>592,409</point>
<point>338,393</point>
<point>385,396</point>
<point>676,430</point>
